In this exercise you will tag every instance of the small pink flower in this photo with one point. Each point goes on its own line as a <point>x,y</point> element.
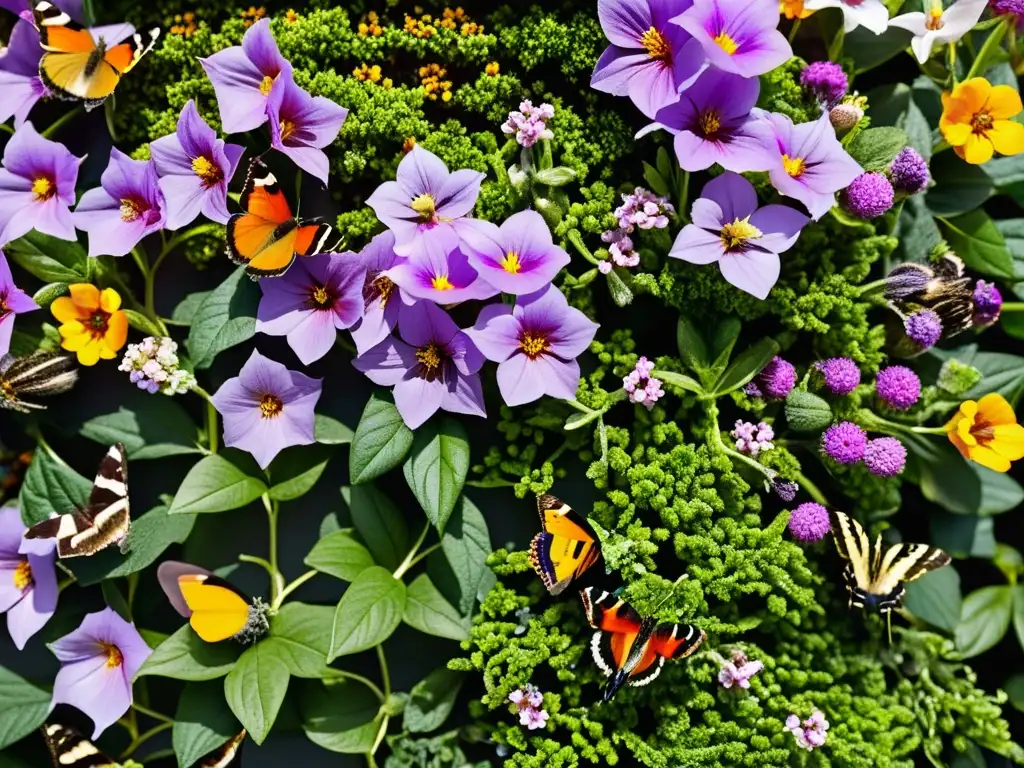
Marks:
<point>731,674</point>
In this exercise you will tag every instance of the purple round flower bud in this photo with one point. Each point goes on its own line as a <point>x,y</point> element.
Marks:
<point>1007,7</point>
<point>826,80</point>
<point>988,303</point>
<point>845,442</point>
<point>841,374</point>
<point>909,171</point>
<point>785,489</point>
<point>752,389</point>
<point>898,386</point>
<point>924,328</point>
<point>869,196</point>
<point>844,116</point>
<point>885,456</point>
<point>777,379</point>
<point>809,522</point>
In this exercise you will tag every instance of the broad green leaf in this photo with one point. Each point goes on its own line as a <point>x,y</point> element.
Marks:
<point>976,240</point>
<point>114,599</point>
<point>935,598</point>
<point>187,308</point>
<point>1000,491</point>
<point>328,431</point>
<point>50,259</point>
<point>219,482</point>
<point>806,412</point>
<point>340,717</point>
<point>1014,688</point>
<point>692,348</point>
<point>255,689</point>
<point>655,181</point>
<point>681,380</point>
<point>1012,231</point>
<point>45,296</point>
<point>379,522</point>
<point>984,619</point>
<point>225,318</point>
<point>917,230</point>
<point>295,470</point>
<point>948,479</point>
<point>202,723</point>
<point>1018,612</point>
<point>747,365</point>
<point>431,700</point>
<point>23,707</point>
<point>868,50</point>
<point>150,429</point>
<point>466,543</point>
<point>437,468</point>
<point>381,441</point>
<point>963,535</point>
<point>339,555</point>
<point>184,656</point>
<point>875,148</point>
<point>302,636</point>
<point>722,342</point>
<point>427,610</point>
<point>959,186</point>
<point>368,612</point>
<point>1001,372</point>
<point>50,487</point>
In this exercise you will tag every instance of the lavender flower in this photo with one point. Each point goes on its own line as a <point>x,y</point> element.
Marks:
<point>154,367</point>
<point>194,167</point>
<point>28,579</point>
<point>738,36</point>
<point>988,304</point>
<point>533,718</point>
<point>938,26</point>
<point>752,438</point>
<point>1008,8</point>
<point>19,74</point>
<point>909,171</point>
<point>381,297</point>
<point>898,386</point>
<point>13,301</point>
<point>729,228</point>
<point>826,81</point>
<point>127,206</point>
<point>870,14</point>
<point>528,703</point>
<point>844,442</point>
<point>641,386</point>
<point>267,408</point>
<point>98,661</point>
<point>777,379</point>
<point>785,489</point>
<point>517,258</point>
<point>841,374</point>
<point>312,301</point>
<point>535,344</point>
<point>620,250</point>
<point>739,675</point>
<point>439,276</point>
<point>809,522</point>
<point>868,196</point>
<point>302,125</point>
<point>642,209</point>
<point>812,733</point>
<point>433,366</point>
<point>37,187</point>
<point>885,456</point>
<point>924,328</point>
<point>528,124</point>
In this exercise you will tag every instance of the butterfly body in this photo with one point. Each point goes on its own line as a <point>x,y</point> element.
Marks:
<point>942,287</point>
<point>566,548</point>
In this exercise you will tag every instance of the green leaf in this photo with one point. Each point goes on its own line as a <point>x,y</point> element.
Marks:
<point>984,620</point>
<point>466,543</point>
<point>379,522</point>
<point>621,293</point>
<point>368,612</point>
<point>381,441</point>
<point>746,366</point>
<point>50,487</point>
<point>295,470</point>
<point>875,148</point>
<point>963,535</point>
<point>976,240</point>
<point>50,259</point>
<point>202,723</point>
<point>301,635</point>
<point>437,468</point>
<point>115,600</point>
<point>225,318</point>
<point>1012,231</point>
<point>427,610</point>
<point>959,186</point>
<point>45,296</point>
<point>219,482</point>
<point>555,177</point>
<point>142,324</point>
<point>868,50</point>
<point>152,429</point>
<point>1018,612</point>
<point>328,431</point>
<point>184,656</point>
<point>431,700</point>
<point>655,181</point>
<point>692,348</point>
<point>578,419</point>
<point>806,412</point>
<point>935,598</point>
<point>1014,688</point>
<point>23,707</point>
<point>680,380</point>
<point>340,717</point>
<point>339,555</point>
<point>187,308</point>
<point>255,689</point>
<point>1001,372</point>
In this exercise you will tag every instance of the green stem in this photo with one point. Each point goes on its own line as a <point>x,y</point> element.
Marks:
<point>951,61</point>
<point>992,43</point>
<point>65,583</point>
<point>139,740</point>
<point>385,674</point>
<point>60,121</point>
<point>276,579</point>
<point>684,197</point>
<point>244,558</point>
<point>292,587</point>
<point>872,286</point>
<point>794,30</point>
<point>494,483</point>
<point>1013,306</point>
<point>425,553</point>
<point>211,418</point>
<point>151,713</point>
<point>41,441</point>
<point>576,239</point>
<point>359,679</point>
<point>410,558</point>
<point>6,128</point>
<point>381,733</point>
<point>812,490</point>
<point>579,406</point>
<point>928,430</point>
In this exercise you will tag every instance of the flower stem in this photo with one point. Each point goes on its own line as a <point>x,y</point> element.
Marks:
<point>385,674</point>
<point>872,286</point>
<point>211,417</point>
<point>276,579</point>
<point>684,197</point>
<point>812,490</point>
<point>576,239</point>
<point>292,587</point>
<point>494,483</point>
<point>1013,306</point>
<point>410,559</point>
<point>794,30</point>
<point>151,713</point>
<point>359,679</point>
<point>992,43</point>
<point>57,124</point>
<point>139,740</point>
<point>425,553</point>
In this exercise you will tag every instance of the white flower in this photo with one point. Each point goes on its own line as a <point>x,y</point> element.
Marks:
<point>939,26</point>
<point>871,14</point>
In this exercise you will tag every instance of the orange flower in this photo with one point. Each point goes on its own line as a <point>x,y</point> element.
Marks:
<point>987,432</point>
<point>93,324</point>
<point>793,9</point>
<point>976,120</point>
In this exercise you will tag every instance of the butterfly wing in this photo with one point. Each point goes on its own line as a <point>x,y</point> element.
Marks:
<point>854,546</point>
<point>168,574</point>
<point>219,610</point>
<point>676,641</point>
<point>264,237</point>
<point>42,374</point>
<point>124,56</point>
<point>224,756</point>
<point>620,646</point>
<point>902,563</point>
<point>566,548</point>
<point>70,749</point>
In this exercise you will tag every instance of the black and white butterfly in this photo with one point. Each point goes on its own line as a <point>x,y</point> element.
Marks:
<point>105,519</point>
<point>42,374</point>
<point>942,287</point>
<point>70,749</point>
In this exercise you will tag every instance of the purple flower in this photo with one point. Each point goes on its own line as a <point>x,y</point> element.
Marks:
<point>785,489</point>
<point>194,168</point>
<point>809,522</point>
<point>738,36</point>
<point>1008,8</point>
<point>909,171</point>
<point>245,76</point>
<point>776,380</point>
<point>124,209</point>
<point>528,124</point>
<point>13,301</point>
<point>535,344</point>
<point>28,581</point>
<point>988,303</point>
<point>885,456</point>
<point>528,703</point>
<point>731,674</point>
<point>98,661</point>
<point>898,386</point>
<point>924,328</point>
<point>433,366</point>
<point>312,301</point>
<point>381,297</point>
<point>869,196</point>
<point>641,209</point>
<point>844,442</point>
<point>752,438</point>
<point>841,374</point>
<point>826,80</point>
<point>811,164</point>
<point>37,187</point>
<point>745,240</point>
<point>650,59</point>
<point>517,258</point>
<point>426,203</point>
<point>712,123</point>
<point>641,386</point>
<point>812,733</point>
<point>302,125</point>
<point>267,408</point>
<point>19,74</point>
<point>533,718</point>
<point>444,278</point>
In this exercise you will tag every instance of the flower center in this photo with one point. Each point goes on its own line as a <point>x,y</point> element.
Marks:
<point>384,287</point>
<point>270,406</point>
<point>206,170</point>
<point>131,209</point>
<point>511,263</point>
<point>43,189</point>
<point>424,206</point>
<point>656,44</point>
<point>320,296</point>
<point>429,357</point>
<point>981,122</point>
<point>794,166</point>
<point>287,129</point>
<point>710,124</point>
<point>442,283</point>
<point>933,20</point>
<point>533,344</point>
<point>726,43</point>
<point>734,235</point>
<point>23,576</point>
<point>114,657</point>
<point>266,85</point>
<point>4,309</point>
<point>97,323</point>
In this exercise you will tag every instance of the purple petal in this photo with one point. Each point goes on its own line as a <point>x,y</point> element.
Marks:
<point>618,67</point>
<point>781,226</point>
<point>424,323</point>
<point>236,81</point>
<point>458,193</point>
<point>314,336</point>
<point>197,138</point>
<point>624,21</point>
<point>169,157</point>
<point>422,172</point>
<point>387,363</point>
<point>260,47</point>
<point>418,399</point>
<point>52,217</point>
<point>102,693</point>
<point>496,332</point>
<point>185,196</point>
<point>466,396</point>
<point>312,161</point>
<point>109,234</point>
<point>31,613</point>
<point>752,271</point>
<point>733,193</point>
<point>707,214</point>
<point>520,380</point>
<point>697,246</point>
<point>11,526</point>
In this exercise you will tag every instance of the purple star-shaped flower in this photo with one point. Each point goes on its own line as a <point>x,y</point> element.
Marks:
<point>98,661</point>
<point>444,278</point>
<point>244,76</point>
<point>302,125</point>
<point>650,59</point>
<point>19,74</point>
<point>712,124</point>
<point>433,366</point>
<point>312,301</point>
<point>745,240</point>
<point>809,164</point>
<point>517,258</point>
<point>13,301</point>
<point>535,344</point>
<point>28,580</point>
<point>738,36</point>
<point>194,168</point>
<point>124,209</point>
<point>381,297</point>
<point>267,408</point>
<point>37,186</point>
<point>426,203</point>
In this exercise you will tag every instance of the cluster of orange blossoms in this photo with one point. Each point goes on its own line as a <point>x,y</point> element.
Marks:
<point>433,85</point>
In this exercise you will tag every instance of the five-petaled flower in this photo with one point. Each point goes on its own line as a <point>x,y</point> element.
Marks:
<point>738,36</point>
<point>939,26</point>
<point>93,325</point>
<point>977,120</point>
<point>444,278</point>
<point>13,301</point>
<point>28,579</point>
<point>302,125</point>
<point>19,74</point>
<point>381,297</point>
<point>517,258</point>
<point>986,431</point>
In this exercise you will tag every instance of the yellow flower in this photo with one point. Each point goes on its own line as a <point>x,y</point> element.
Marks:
<point>793,9</point>
<point>492,68</point>
<point>976,120</point>
<point>93,324</point>
<point>987,432</point>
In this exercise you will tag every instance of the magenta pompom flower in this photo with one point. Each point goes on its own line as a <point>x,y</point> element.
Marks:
<point>826,80</point>
<point>444,278</point>
<point>841,374</point>
<point>776,380</point>
<point>738,36</point>
<point>517,258</point>
<point>898,386</point>
<point>381,297</point>
<point>908,171</point>
<point>988,303</point>
<point>885,456</point>
<point>924,328</point>
<point>13,302</point>
<point>267,408</point>
<point>98,661</point>
<point>844,442</point>
<point>302,125</point>
<point>28,579</point>
<point>19,74</point>
<point>809,522</point>
<point>869,196</point>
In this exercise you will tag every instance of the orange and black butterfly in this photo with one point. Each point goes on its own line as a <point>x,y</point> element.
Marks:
<point>630,649</point>
<point>566,548</point>
<point>268,237</point>
<point>85,65</point>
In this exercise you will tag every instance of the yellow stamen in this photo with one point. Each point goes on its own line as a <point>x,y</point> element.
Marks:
<point>726,43</point>
<point>735,234</point>
<point>794,166</point>
<point>933,20</point>
<point>710,123</point>
<point>424,205</point>
<point>206,170</point>
<point>114,657</point>
<point>533,345</point>
<point>43,188</point>
<point>429,357</point>
<point>97,323</point>
<point>23,576</point>
<point>266,85</point>
<point>511,263</point>
<point>442,283</point>
<point>320,296</point>
<point>656,44</point>
<point>130,209</point>
<point>270,406</point>
<point>287,129</point>
<point>981,122</point>
<point>384,287</point>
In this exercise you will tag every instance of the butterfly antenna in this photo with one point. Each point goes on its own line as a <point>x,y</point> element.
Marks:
<point>888,621</point>
<point>672,591</point>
